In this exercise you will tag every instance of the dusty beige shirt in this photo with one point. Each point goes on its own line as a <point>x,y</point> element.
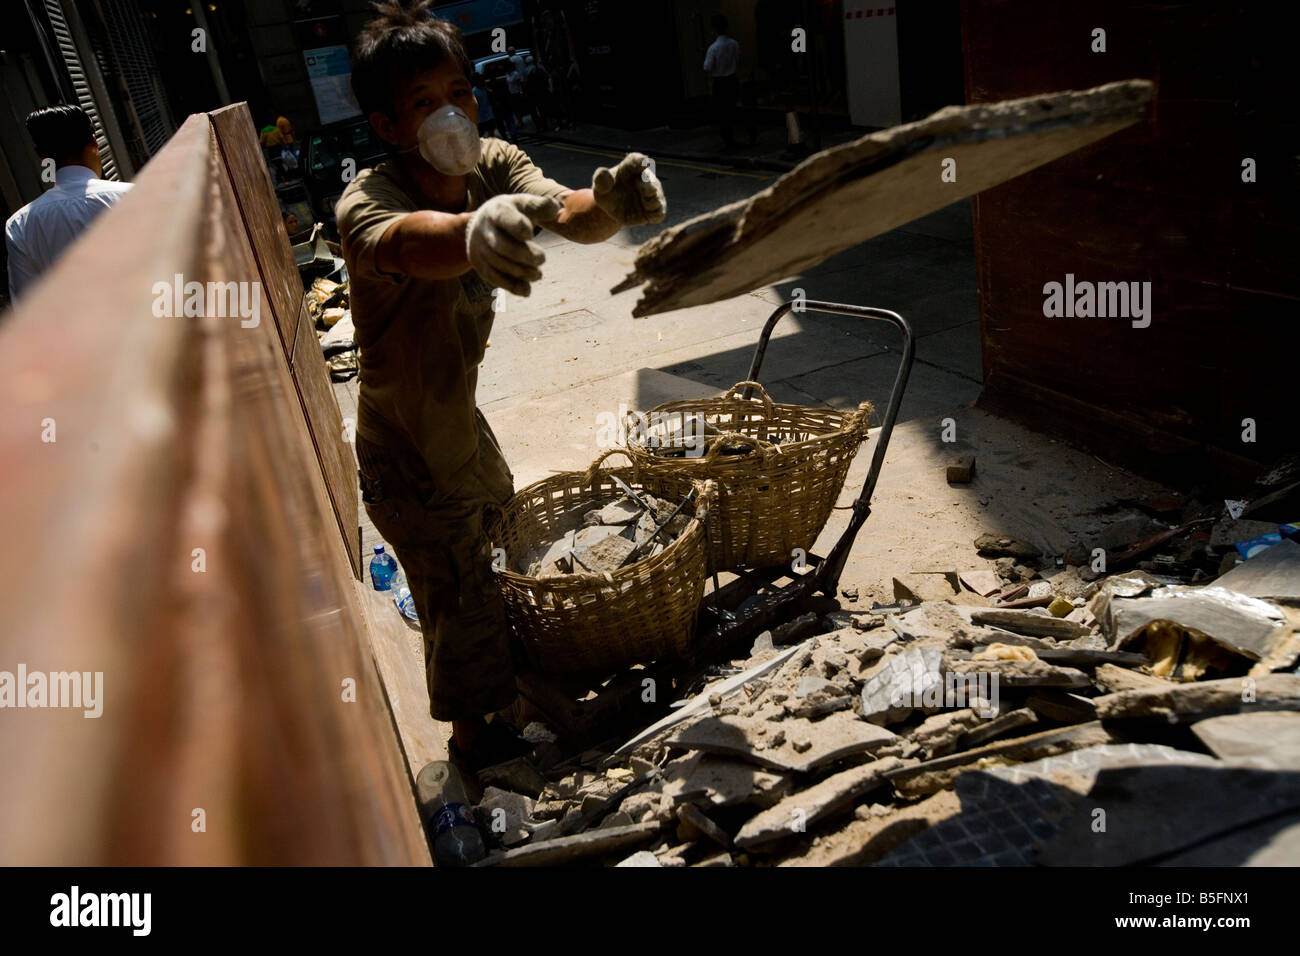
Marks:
<point>422,340</point>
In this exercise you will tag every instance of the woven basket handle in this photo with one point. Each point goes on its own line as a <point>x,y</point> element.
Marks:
<point>734,392</point>
<point>589,477</point>
<point>733,439</point>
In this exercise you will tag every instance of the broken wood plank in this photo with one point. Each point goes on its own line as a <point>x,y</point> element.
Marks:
<point>845,195</point>
<point>1187,702</point>
<point>1035,625</point>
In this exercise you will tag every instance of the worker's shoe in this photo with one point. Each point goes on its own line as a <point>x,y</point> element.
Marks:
<point>496,743</point>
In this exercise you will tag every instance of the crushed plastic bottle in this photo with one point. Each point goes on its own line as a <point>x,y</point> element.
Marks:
<point>402,598</point>
<point>445,806</point>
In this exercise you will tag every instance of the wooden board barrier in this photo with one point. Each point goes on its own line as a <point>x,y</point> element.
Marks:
<point>177,539</point>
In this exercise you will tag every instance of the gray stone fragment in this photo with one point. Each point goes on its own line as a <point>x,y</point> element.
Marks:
<point>1187,702</point>
<point>1153,811</point>
<point>641,858</point>
<point>811,685</point>
<point>1269,740</point>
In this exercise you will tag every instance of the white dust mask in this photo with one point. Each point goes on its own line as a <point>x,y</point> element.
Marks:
<point>449,141</point>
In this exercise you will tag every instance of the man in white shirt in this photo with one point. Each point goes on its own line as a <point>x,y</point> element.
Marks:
<point>37,234</point>
<point>721,62</point>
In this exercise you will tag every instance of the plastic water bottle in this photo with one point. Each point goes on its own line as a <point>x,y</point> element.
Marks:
<point>382,568</point>
<point>443,801</point>
<point>402,598</point>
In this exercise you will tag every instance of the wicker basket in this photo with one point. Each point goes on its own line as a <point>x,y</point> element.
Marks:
<point>771,500</point>
<point>595,624</point>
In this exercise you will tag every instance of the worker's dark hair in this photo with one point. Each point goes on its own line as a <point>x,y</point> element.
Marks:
<point>402,40</point>
<point>719,23</point>
<point>60,132</point>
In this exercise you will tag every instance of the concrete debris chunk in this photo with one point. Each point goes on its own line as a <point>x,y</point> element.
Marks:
<point>696,824</point>
<point>570,849</point>
<point>1002,546</point>
<point>1274,573</point>
<point>961,471</point>
<point>641,858</point>
<point>722,781</point>
<point>807,745</point>
<point>919,588</point>
<point>1269,740</point>
<point>933,775</point>
<point>1182,703</point>
<point>1149,815</point>
<point>1023,673</point>
<point>987,730</point>
<point>843,196</point>
<point>517,774</point>
<point>797,813</point>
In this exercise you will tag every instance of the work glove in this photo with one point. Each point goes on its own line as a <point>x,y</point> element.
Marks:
<point>498,240</point>
<point>630,193</point>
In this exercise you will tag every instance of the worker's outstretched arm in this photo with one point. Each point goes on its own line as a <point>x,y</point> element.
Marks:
<point>630,194</point>
<point>425,244</point>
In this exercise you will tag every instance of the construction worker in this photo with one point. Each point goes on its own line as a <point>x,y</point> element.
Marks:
<point>427,236</point>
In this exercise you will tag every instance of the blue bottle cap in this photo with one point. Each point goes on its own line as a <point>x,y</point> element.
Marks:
<point>379,549</point>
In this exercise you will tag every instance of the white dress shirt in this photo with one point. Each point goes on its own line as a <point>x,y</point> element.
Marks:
<point>722,57</point>
<point>37,234</point>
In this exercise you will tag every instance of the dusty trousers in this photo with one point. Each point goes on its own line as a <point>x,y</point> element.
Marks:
<point>438,539</point>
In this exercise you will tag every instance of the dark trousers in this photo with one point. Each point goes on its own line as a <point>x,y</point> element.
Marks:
<point>726,90</point>
<point>439,541</point>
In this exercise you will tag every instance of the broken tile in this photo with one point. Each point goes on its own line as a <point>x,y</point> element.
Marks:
<point>808,807</point>
<point>901,683</point>
<point>983,582</point>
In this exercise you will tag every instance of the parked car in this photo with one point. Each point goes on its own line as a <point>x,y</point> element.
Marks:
<point>490,65</point>
<point>324,153</point>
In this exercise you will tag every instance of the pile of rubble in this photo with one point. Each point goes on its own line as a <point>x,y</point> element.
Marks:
<point>328,306</point>
<point>1015,715</point>
<point>601,538</point>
